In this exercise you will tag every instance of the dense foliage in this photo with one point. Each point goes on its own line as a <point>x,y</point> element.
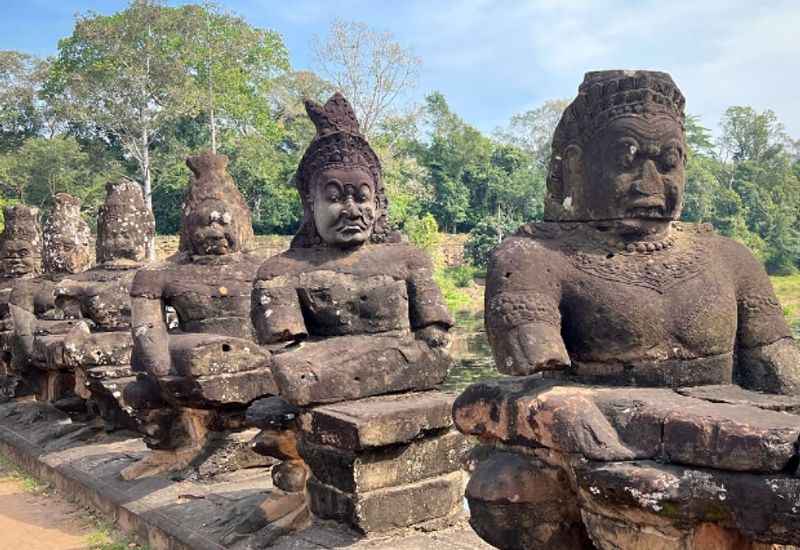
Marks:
<point>135,92</point>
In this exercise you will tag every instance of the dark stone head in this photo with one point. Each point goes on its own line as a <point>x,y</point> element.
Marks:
<point>125,226</point>
<point>340,181</point>
<point>619,150</point>
<point>67,238</point>
<point>215,218</point>
<point>20,242</point>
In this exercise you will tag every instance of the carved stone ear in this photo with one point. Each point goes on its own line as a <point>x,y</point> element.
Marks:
<point>574,175</point>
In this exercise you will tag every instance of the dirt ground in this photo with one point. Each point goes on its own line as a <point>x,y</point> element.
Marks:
<point>31,519</point>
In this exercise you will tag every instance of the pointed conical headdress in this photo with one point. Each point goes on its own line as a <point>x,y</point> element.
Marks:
<point>211,182</point>
<point>337,143</point>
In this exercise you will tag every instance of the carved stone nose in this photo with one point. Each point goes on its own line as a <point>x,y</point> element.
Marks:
<point>650,182</point>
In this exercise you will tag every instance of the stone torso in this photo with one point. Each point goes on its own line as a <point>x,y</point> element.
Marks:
<point>347,293</point>
<point>212,295</point>
<point>104,296</point>
<point>630,316</point>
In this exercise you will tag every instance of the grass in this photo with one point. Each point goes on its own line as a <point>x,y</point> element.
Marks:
<point>106,537</point>
<point>10,471</point>
<point>463,296</point>
<point>103,535</point>
<point>788,290</point>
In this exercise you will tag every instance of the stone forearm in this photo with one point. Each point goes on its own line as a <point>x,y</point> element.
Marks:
<point>150,337</point>
<point>528,349</point>
<point>427,306</point>
<point>773,368</point>
<point>276,314</point>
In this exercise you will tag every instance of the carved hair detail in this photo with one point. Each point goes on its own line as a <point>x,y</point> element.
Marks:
<point>124,208</point>
<point>65,225</point>
<point>337,143</point>
<point>602,97</point>
<point>22,224</point>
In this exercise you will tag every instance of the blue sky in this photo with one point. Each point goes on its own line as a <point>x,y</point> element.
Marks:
<point>492,59</point>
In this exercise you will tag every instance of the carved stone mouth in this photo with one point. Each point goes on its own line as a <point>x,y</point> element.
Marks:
<point>646,212</point>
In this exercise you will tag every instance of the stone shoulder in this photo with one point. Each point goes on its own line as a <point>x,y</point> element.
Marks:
<point>396,259</point>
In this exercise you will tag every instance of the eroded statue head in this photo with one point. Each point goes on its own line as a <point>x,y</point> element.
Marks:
<point>619,151</point>
<point>67,238</point>
<point>125,226</point>
<point>20,242</point>
<point>215,219</point>
<point>340,181</point>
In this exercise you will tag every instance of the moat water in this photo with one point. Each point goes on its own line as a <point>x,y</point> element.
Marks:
<point>471,352</point>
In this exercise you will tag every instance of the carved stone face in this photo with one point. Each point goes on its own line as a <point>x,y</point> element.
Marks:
<point>17,258</point>
<point>212,229</point>
<point>119,242</point>
<point>634,170</point>
<point>68,254</point>
<point>344,206</point>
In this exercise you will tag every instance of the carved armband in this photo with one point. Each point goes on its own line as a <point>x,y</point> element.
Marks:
<point>512,309</point>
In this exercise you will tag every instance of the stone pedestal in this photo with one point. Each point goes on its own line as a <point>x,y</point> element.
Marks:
<point>632,468</point>
<point>386,462</point>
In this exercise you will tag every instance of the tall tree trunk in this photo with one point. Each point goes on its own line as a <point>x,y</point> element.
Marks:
<point>213,132</point>
<point>147,188</point>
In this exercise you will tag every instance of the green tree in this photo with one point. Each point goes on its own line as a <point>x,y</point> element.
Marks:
<point>22,112</point>
<point>234,66</point>
<point>42,167</point>
<point>369,67</point>
<point>532,131</point>
<point>126,74</point>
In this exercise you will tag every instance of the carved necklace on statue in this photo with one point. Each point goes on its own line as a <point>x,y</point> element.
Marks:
<point>657,265</point>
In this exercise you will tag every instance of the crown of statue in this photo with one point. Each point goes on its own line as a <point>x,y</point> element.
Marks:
<point>211,181</point>
<point>606,95</point>
<point>338,142</point>
<point>124,207</point>
<point>65,217</point>
<point>22,222</point>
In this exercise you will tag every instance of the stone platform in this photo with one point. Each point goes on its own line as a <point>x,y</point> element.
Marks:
<point>634,468</point>
<point>192,510</point>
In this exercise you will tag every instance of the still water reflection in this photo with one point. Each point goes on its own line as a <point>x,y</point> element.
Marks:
<point>471,353</point>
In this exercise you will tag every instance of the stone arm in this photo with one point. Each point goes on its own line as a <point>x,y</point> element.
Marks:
<point>276,314</point>
<point>68,298</point>
<point>767,358</point>
<point>522,315</point>
<point>148,325</point>
<point>429,317</point>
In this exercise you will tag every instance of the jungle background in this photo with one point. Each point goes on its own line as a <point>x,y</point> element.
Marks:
<point>134,93</point>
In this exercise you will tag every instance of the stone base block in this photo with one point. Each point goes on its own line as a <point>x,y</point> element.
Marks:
<point>379,421</point>
<point>358,472</point>
<point>389,508</point>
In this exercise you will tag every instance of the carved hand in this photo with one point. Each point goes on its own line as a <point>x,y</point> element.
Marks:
<point>531,348</point>
<point>436,336</point>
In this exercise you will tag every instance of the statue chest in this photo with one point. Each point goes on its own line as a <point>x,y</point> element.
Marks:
<point>336,304</point>
<point>651,317</point>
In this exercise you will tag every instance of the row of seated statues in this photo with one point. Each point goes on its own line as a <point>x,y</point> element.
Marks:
<point>656,382</point>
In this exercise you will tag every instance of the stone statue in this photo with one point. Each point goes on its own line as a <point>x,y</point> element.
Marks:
<point>194,378</point>
<point>99,350</point>
<point>611,289</point>
<point>38,324</point>
<point>347,287</point>
<point>66,237</point>
<point>20,258</point>
<point>349,312</point>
